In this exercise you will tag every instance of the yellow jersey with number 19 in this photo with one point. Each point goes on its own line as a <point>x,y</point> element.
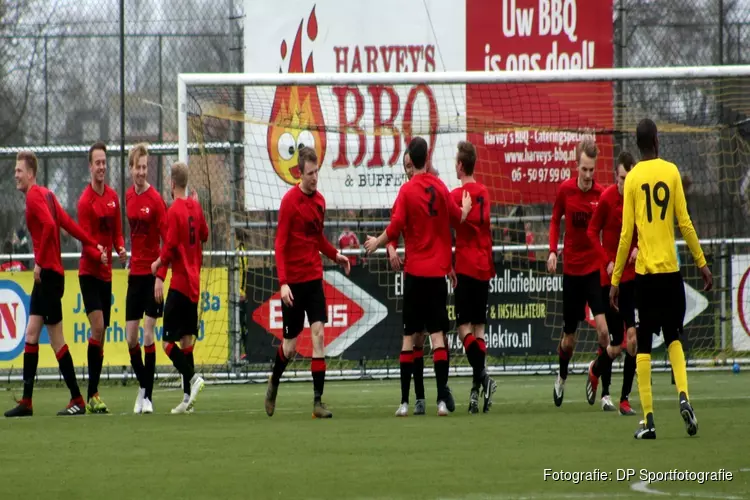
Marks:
<point>653,197</point>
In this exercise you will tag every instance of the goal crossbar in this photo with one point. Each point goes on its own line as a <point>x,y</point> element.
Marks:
<point>448,77</point>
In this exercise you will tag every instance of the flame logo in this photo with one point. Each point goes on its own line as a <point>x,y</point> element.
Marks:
<point>296,116</point>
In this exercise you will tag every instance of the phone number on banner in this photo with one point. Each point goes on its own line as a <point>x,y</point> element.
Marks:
<point>541,174</point>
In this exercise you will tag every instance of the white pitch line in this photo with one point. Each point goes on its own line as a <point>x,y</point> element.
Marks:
<point>643,487</point>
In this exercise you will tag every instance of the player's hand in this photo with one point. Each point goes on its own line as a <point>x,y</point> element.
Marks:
<point>344,262</point>
<point>155,265</point>
<point>286,295</point>
<point>159,291</point>
<point>123,254</point>
<point>37,273</point>
<point>552,263</point>
<point>371,244</point>
<point>708,278</point>
<point>610,269</point>
<point>193,195</point>
<point>103,256</point>
<point>454,279</point>
<point>393,258</point>
<point>465,205</point>
<point>614,295</point>
<point>633,256</point>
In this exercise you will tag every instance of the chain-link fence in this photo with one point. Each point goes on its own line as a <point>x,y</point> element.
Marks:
<point>75,73</point>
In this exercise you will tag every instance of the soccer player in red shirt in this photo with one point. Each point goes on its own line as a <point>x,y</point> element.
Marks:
<point>576,200</point>
<point>607,221</point>
<point>147,217</point>
<point>418,339</point>
<point>99,216</point>
<point>44,218</point>
<point>299,242</point>
<point>186,232</point>
<point>424,212</point>
<point>473,270</point>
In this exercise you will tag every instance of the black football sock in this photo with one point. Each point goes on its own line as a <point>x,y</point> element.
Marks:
<point>318,369</point>
<point>475,356</point>
<point>628,372</point>
<point>418,372</point>
<point>149,365</point>
<point>30,363</point>
<point>440,360</point>
<point>279,365</point>
<point>564,356</point>
<point>95,356</point>
<point>136,361</point>
<point>406,364</point>
<point>65,361</point>
<point>178,360</point>
<point>188,353</point>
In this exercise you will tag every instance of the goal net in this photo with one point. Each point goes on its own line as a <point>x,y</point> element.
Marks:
<point>241,133</point>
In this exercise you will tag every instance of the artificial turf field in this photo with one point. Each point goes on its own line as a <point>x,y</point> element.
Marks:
<point>229,448</point>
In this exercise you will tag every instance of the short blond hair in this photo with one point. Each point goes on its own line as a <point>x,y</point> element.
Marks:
<point>589,147</point>
<point>179,174</point>
<point>30,159</point>
<point>136,152</point>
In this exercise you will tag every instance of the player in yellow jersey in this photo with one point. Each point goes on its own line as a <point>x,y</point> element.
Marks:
<point>653,197</point>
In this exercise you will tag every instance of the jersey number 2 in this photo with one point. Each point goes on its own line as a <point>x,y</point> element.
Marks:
<point>431,202</point>
<point>191,230</point>
<point>660,199</point>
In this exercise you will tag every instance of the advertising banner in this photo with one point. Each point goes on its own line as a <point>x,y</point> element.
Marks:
<point>15,292</point>
<point>524,314</point>
<point>525,133</point>
<point>529,132</point>
<point>358,132</point>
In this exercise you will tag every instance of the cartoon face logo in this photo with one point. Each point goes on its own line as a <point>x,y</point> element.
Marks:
<point>296,117</point>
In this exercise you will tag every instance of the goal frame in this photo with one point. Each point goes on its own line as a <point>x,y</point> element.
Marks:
<point>184,80</point>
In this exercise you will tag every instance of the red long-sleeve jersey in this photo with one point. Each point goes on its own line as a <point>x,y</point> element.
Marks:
<point>183,249</point>
<point>147,217</point>
<point>581,257</point>
<point>474,236</point>
<point>424,212</point>
<point>99,216</point>
<point>607,220</point>
<point>300,238</point>
<point>44,218</point>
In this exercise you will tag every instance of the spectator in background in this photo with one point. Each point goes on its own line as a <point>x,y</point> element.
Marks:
<point>10,265</point>
<point>349,239</point>
<point>530,241</point>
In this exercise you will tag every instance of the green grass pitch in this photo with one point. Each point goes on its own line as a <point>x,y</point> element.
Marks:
<point>230,449</point>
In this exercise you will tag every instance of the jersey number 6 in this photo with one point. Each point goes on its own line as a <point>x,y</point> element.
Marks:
<point>660,199</point>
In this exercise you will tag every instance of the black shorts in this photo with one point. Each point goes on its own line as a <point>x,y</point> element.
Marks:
<point>660,306</point>
<point>425,304</point>
<point>619,321</point>
<point>180,317</point>
<point>309,299</point>
<point>46,297</point>
<point>577,292</point>
<point>97,296</point>
<point>140,298</point>
<point>471,297</point>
